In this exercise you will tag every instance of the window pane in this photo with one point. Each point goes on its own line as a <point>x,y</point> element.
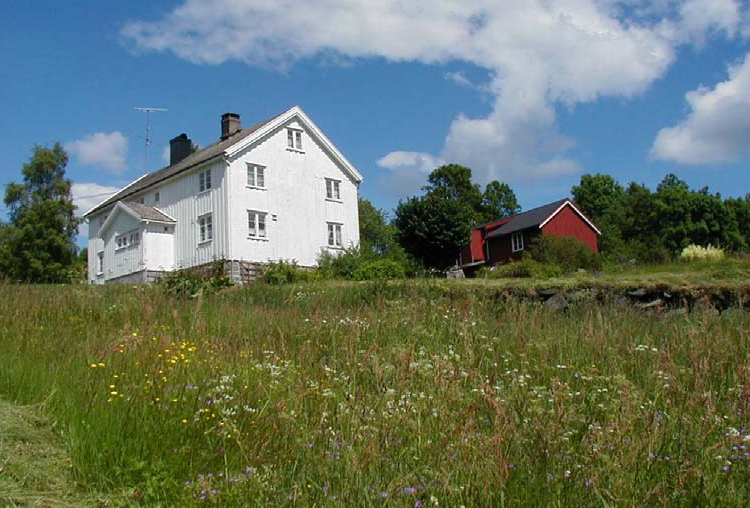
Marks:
<point>338,235</point>
<point>250,175</point>
<point>261,177</point>
<point>290,139</point>
<point>262,225</point>
<point>208,179</point>
<point>336,190</point>
<point>202,182</point>
<point>299,140</point>
<point>329,191</point>
<point>330,234</point>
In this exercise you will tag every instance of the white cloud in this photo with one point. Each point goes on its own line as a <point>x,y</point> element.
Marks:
<point>107,150</point>
<point>718,126</point>
<point>86,196</point>
<point>537,52</point>
<point>165,155</point>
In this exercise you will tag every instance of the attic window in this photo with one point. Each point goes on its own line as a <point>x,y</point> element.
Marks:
<point>516,242</point>
<point>294,139</point>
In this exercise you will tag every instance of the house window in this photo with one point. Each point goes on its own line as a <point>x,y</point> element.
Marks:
<point>256,176</point>
<point>333,189</point>
<point>206,227</point>
<point>100,262</point>
<point>204,180</point>
<point>141,200</point>
<point>156,197</point>
<point>516,242</point>
<point>334,235</point>
<point>294,139</point>
<point>256,224</point>
<point>121,241</point>
<point>135,238</point>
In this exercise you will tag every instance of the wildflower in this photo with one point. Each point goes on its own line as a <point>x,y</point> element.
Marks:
<point>410,491</point>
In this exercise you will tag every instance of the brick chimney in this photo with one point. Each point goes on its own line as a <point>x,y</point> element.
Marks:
<point>230,123</point>
<point>179,148</point>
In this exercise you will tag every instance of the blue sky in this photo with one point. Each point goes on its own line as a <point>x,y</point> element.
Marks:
<point>531,93</point>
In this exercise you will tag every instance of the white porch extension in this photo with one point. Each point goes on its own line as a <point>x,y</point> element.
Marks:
<point>134,243</point>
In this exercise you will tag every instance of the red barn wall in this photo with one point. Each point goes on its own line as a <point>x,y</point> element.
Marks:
<point>568,223</point>
<point>501,250</point>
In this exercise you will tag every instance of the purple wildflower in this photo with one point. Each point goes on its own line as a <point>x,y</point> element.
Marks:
<point>410,491</point>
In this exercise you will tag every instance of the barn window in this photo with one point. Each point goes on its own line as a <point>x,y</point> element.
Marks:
<point>256,224</point>
<point>204,180</point>
<point>206,227</point>
<point>516,242</point>
<point>334,235</point>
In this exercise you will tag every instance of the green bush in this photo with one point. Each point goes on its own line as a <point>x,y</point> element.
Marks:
<point>285,272</point>
<point>381,269</point>
<point>340,265</point>
<point>191,283</point>
<point>526,268</point>
<point>568,253</point>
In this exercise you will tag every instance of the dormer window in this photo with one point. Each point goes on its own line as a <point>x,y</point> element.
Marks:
<point>294,139</point>
<point>256,176</point>
<point>333,189</point>
<point>204,180</point>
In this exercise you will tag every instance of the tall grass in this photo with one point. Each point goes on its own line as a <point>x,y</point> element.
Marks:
<point>408,394</point>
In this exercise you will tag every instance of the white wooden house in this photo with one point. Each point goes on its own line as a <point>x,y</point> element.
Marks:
<point>277,190</point>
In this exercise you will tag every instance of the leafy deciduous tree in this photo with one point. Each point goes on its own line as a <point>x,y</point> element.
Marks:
<point>39,241</point>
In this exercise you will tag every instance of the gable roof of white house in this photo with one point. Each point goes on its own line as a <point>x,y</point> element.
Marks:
<point>139,212</point>
<point>230,147</point>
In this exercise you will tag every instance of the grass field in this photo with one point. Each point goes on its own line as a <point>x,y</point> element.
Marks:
<point>404,394</point>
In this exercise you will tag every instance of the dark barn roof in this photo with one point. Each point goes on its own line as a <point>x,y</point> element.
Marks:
<point>192,160</point>
<point>527,219</point>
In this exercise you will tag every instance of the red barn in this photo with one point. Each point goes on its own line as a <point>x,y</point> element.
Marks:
<point>505,239</point>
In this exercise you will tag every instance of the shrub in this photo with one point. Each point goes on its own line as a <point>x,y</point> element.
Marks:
<point>285,272</point>
<point>192,283</point>
<point>381,269</point>
<point>697,253</point>
<point>340,265</point>
<point>526,268</point>
<point>568,253</point>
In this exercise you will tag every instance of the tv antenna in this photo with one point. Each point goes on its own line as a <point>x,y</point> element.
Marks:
<point>148,112</point>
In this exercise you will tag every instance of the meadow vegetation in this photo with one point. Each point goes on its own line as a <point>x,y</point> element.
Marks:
<point>401,394</point>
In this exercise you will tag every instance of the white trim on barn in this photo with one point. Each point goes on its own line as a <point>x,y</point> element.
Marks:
<point>568,202</point>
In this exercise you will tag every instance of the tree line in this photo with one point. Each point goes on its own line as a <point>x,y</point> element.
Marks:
<point>37,244</point>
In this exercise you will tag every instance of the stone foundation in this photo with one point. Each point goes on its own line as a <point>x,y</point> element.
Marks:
<point>240,272</point>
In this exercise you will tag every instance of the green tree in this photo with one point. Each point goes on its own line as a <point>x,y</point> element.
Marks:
<point>498,201</point>
<point>453,182</point>
<point>376,236</point>
<point>38,242</point>
<point>596,194</point>
<point>433,229</point>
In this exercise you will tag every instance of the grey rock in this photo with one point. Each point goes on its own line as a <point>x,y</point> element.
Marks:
<point>557,302</point>
<point>656,304</point>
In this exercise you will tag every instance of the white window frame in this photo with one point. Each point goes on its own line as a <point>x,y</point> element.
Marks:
<point>100,262</point>
<point>294,139</point>
<point>256,170</point>
<point>253,226</point>
<point>335,235</point>
<point>333,189</point>
<point>205,228</point>
<point>128,239</point>
<point>204,180</point>
<point>516,242</point>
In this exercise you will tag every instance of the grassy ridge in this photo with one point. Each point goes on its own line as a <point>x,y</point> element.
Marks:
<point>409,394</point>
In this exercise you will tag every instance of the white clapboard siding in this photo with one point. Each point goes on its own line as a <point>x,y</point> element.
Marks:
<point>294,199</point>
<point>158,247</point>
